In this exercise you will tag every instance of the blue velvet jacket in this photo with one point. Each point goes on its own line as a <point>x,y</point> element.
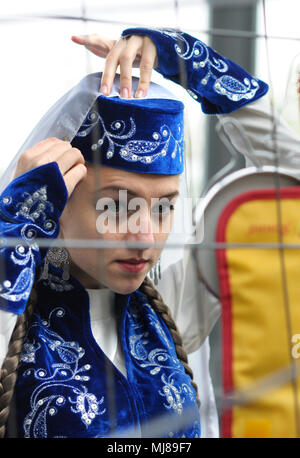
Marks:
<point>66,386</point>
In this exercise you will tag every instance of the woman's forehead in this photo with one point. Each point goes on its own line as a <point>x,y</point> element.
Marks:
<point>107,179</point>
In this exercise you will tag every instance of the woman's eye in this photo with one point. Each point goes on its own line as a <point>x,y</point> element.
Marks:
<point>120,207</point>
<point>163,209</point>
<point>115,206</point>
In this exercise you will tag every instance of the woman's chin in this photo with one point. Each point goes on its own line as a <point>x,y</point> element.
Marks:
<point>126,286</point>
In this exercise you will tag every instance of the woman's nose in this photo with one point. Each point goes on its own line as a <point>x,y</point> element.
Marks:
<point>140,228</point>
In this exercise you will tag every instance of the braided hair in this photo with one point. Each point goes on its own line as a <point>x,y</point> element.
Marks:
<point>8,373</point>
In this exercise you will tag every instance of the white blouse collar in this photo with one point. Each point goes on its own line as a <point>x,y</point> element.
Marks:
<point>101,303</point>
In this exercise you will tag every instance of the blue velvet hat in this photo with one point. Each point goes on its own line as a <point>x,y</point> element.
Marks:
<point>138,135</point>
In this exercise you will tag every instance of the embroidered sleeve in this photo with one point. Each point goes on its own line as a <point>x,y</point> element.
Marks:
<point>30,208</point>
<point>218,84</point>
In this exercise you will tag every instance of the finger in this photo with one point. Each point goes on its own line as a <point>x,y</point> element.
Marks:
<point>128,55</point>
<point>69,159</point>
<point>79,39</point>
<point>110,67</point>
<point>41,147</point>
<point>62,153</point>
<point>95,43</point>
<point>74,176</point>
<point>148,61</point>
<point>27,158</point>
<point>98,52</point>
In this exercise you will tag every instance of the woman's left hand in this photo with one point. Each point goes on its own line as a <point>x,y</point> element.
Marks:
<point>128,52</point>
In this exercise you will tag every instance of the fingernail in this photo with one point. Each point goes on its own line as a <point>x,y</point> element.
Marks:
<point>104,89</point>
<point>124,93</point>
<point>139,94</point>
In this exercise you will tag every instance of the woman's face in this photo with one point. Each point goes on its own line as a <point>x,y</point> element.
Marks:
<point>116,205</point>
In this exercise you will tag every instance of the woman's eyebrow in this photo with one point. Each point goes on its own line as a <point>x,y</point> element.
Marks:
<point>133,193</point>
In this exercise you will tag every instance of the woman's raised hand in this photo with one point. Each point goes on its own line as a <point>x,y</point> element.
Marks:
<point>70,160</point>
<point>128,52</point>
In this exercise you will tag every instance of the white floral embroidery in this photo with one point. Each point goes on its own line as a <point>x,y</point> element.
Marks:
<point>137,150</point>
<point>28,352</point>
<point>175,396</point>
<point>64,375</point>
<point>24,254</point>
<point>201,57</point>
<point>34,205</point>
<point>158,360</point>
<point>87,405</point>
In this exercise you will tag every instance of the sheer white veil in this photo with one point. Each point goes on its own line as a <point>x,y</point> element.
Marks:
<point>64,119</point>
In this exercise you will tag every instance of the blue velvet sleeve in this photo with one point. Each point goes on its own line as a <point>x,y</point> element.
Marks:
<point>217,83</point>
<point>30,208</point>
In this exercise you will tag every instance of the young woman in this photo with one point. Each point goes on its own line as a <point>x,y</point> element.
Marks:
<point>102,355</point>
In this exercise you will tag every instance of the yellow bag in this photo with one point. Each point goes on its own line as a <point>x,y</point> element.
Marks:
<point>258,310</point>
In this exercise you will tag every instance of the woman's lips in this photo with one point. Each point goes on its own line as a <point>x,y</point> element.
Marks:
<point>132,265</point>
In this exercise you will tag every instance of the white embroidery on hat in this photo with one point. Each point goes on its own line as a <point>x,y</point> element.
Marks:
<point>134,150</point>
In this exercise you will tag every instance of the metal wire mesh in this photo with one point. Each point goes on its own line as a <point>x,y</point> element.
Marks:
<point>88,14</point>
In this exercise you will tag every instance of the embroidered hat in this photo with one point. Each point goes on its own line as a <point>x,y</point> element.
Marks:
<point>138,135</point>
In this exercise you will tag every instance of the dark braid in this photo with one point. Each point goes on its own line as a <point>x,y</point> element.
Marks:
<point>160,307</point>
<point>8,374</point>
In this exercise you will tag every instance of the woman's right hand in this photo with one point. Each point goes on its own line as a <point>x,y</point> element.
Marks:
<point>70,160</point>
<point>134,51</point>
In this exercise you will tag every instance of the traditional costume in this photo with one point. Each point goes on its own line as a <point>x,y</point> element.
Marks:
<point>70,383</point>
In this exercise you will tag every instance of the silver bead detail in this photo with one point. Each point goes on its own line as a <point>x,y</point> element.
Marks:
<point>192,94</point>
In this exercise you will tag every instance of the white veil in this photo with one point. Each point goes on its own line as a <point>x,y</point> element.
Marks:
<point>64,119</point>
